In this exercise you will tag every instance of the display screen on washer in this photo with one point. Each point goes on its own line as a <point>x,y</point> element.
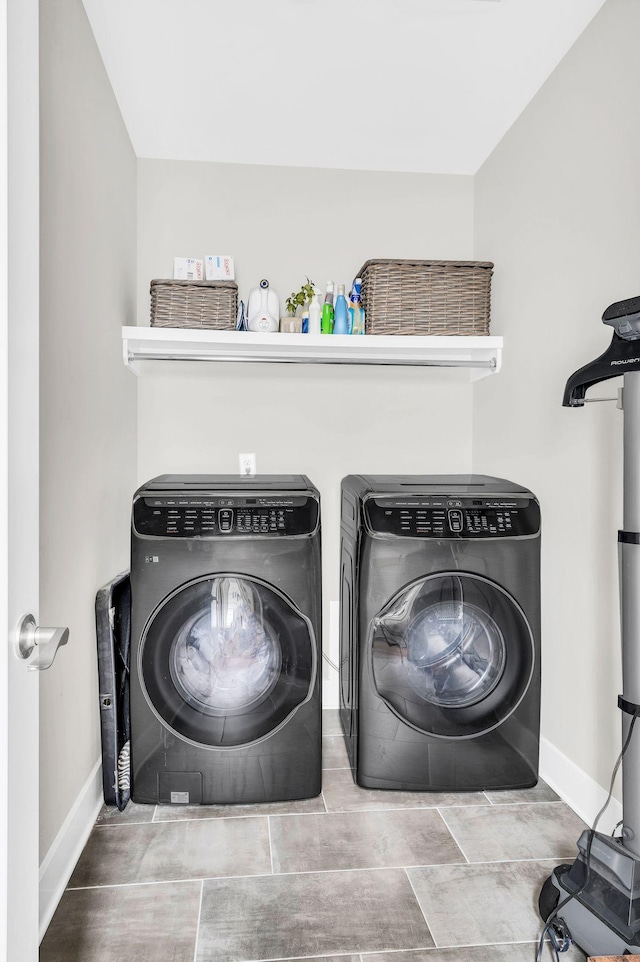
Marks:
<point>180,516</point>
<point>443,517</point>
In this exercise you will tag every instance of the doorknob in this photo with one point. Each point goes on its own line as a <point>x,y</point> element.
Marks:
<point>44,641</point>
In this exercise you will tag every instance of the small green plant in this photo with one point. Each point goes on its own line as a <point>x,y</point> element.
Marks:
<point>299,298</point>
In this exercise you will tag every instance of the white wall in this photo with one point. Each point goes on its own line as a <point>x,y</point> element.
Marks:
<point>285,223</point>
<point>557,209</point>
<point>88,399</point>
<point>324,421</point>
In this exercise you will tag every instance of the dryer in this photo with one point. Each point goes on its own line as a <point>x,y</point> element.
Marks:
<point>440,632</point>
<point>225,640</point>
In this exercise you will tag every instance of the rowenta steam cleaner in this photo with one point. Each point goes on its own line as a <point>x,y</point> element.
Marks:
<point>596,901</point>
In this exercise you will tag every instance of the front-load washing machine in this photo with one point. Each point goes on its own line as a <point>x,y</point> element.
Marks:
<point>440,632</point>
<point>225,640</point>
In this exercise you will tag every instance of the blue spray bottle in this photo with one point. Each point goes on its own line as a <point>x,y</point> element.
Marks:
<point>340,313</point>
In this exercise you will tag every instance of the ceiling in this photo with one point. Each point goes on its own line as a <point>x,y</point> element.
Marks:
<point>400,85</point>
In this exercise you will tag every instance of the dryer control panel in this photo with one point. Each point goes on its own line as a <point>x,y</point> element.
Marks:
<point>451,517</point>
<point>193,516</point>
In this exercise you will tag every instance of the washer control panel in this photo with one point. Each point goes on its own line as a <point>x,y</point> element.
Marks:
<point>451,517</point>
<point>193,516</point>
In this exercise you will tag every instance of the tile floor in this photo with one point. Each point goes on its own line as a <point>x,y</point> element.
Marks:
<point>350,876</point>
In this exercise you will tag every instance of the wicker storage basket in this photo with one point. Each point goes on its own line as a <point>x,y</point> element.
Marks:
<point>426,297</point>
<point>199,304</point>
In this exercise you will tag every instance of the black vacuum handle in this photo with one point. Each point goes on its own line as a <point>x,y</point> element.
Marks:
<point>621,357</point>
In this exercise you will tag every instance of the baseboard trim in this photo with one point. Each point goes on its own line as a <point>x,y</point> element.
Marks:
<point>60,860</point>
<point>576,788</point>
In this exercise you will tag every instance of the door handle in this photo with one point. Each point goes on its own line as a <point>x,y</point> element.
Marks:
<point>29,638</point>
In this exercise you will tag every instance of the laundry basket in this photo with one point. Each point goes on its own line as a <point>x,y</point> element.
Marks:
<point>426,297</point>
<point>113,634</point>
<point>196,304</point>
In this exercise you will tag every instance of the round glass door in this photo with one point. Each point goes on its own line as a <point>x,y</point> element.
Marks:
<point>225,660</point>
<point>452,654</point>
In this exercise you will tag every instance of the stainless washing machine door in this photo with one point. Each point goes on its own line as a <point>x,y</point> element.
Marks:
<point>452,654</point>
<point>225,660</point>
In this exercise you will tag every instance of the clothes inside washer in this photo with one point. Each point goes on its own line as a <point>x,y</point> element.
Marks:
<point>225,658</point>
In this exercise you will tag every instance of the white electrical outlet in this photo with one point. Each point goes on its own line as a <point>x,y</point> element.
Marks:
<point>247,463</point>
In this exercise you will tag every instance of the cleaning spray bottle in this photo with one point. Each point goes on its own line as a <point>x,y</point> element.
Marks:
<point>357,310</point>
<point>327,310</point>
<point>341,315</point>
<point>315,311</point>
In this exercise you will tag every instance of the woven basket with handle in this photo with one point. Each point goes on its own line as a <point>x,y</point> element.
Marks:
<point>199,304</point>
<point>426,297</point>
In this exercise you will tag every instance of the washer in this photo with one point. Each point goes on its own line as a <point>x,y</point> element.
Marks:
<point>225,635</point>
<point>440,632</point>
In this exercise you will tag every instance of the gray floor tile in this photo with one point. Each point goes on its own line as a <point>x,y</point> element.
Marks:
<point>284,917</point>
<point>318,843</point>
<point>177,813</point>
<point>331,722</point>
<point>540,793</point>
<point>509,952</point>
<point>324,958</point>
<point>133,814</point>
<point>339,893</point>
<point>341,794</point>
<point>148,923</point>
<point>481,904</point>
<point>174,850</point>
<point>545,830</point>
<point>334,752</point>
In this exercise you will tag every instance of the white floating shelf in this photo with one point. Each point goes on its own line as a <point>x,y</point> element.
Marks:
<point>481,355</point>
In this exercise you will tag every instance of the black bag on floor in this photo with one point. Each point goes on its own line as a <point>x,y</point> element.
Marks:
<point>113,630</point>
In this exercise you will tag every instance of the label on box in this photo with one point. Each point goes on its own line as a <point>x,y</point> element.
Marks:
<point>219,267</point>
<point>187,269</point>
